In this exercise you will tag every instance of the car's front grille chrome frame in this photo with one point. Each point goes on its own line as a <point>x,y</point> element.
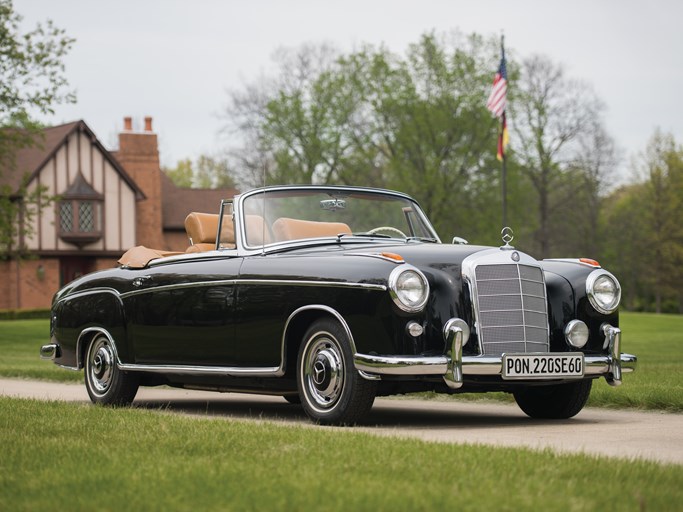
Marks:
<point>509,301</point>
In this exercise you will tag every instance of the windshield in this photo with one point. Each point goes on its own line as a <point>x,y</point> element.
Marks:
<point>273,216</point>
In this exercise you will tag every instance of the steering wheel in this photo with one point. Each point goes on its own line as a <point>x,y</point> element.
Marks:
<point>386,228</point>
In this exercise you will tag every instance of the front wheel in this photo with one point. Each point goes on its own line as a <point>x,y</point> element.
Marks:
<point>331,390</point>
<point>559,401</point>
<point>105,382</point>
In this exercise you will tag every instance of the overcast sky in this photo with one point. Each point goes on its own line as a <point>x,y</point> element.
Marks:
<point>174,60</point>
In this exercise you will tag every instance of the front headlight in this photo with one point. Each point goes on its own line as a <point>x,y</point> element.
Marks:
<point>603,290</point>
<point>409,288</point>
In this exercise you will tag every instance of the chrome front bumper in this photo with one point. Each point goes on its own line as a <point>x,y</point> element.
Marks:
<point>453,365</point>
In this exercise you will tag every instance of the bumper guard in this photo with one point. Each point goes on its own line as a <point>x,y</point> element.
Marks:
<point>453,366</point>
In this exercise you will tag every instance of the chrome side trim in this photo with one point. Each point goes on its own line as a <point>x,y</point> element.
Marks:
<point>294,282</point>
<point>271,282</point>
<point>266,282</point>
<point>179,286</point>
<point>92,291</point>
<point>201,370</point>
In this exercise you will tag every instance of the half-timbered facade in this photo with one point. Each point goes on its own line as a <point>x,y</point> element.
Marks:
<point>106,203</point>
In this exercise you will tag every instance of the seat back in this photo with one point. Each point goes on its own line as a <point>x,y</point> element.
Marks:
<point>294,229</point>
<point>201,229</point>
<point>257,231</point>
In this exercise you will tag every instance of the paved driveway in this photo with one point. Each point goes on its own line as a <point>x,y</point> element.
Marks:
<point>629,434</point>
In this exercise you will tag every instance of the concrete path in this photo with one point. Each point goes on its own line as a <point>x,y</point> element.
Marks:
<point>626,434</point>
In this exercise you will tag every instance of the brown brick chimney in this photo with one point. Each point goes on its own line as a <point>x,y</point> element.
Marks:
<point>139,154</point>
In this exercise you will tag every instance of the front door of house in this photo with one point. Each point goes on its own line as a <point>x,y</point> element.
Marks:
<point>73,267</point>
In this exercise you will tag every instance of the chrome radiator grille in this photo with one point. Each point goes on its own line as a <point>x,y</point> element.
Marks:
<point>512,307</point>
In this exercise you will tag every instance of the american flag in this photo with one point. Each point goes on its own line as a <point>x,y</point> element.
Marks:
<point>496,101</point>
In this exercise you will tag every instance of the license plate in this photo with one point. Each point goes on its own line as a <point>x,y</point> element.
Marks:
<point>542,366</point>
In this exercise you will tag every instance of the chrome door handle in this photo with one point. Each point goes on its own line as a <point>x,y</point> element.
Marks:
<point>141,281</point>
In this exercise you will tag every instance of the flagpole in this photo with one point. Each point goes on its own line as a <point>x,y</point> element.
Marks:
<point>504,185</point>
<point>503,127</point>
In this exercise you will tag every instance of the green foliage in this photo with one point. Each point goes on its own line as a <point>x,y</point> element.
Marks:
<point>182,174</point>
<point>69,456</point>
<point>206,172</point>
<point>31,81</point>
<point>647,248</point>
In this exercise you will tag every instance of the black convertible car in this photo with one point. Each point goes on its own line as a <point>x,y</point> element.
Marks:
<point>330,296</point>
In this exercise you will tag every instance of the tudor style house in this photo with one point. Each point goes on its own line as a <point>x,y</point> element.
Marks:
<point>107,202</point>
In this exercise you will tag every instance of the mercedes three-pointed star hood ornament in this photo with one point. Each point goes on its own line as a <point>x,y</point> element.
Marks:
<point>508,236</point>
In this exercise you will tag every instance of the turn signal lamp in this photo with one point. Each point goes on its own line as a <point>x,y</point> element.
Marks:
<point>393,256</point>
<point>590,262</point>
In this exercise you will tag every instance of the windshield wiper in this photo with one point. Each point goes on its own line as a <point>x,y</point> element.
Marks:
<point>372,235</point>
<point>421,239</point>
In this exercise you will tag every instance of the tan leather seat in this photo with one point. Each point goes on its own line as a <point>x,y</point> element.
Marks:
<point>294,229</point>
<point>201,229</point>
<point>257,232</point>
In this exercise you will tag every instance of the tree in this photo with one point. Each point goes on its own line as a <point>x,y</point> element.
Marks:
<point>550,115</point>
<point>416,123</point>
<point>206,172</point>
<point>182,174</point>
<point>644,229</point>
<point>663,164</point>
<point>32,82</point>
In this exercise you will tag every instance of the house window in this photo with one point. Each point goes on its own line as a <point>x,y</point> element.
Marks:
<point>79,217</point>
<point>80,214</point>
<point>66,217</point>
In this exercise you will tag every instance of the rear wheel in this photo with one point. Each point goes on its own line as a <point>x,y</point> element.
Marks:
<point>331,390</point>
<point>105,382</point>
<point>554,402</point>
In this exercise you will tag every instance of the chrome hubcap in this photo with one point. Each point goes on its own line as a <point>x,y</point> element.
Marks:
<point>324,372</point>
<point>101,366</point>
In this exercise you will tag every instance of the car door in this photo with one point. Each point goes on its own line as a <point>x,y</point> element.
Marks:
<point>183,313</point>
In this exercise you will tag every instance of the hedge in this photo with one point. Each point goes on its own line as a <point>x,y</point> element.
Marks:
<point>24,314</point>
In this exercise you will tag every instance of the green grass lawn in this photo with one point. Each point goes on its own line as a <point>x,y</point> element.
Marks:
<point>64,456</point>
<point>657,340</point>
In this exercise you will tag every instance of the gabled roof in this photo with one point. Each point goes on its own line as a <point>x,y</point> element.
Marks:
<point>178,202</point>
<point>29,161</point>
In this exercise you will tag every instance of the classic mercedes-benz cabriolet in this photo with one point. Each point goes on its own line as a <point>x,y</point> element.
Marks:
<point>330,296</point>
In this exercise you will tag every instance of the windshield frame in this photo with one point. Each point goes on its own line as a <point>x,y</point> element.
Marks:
<point>240,222</point>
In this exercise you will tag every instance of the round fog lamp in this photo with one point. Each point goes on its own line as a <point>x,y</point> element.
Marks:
<point>414,329</point>
<point>576,333</point>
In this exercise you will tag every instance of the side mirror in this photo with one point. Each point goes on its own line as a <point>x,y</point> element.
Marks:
<point>459,241</point>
